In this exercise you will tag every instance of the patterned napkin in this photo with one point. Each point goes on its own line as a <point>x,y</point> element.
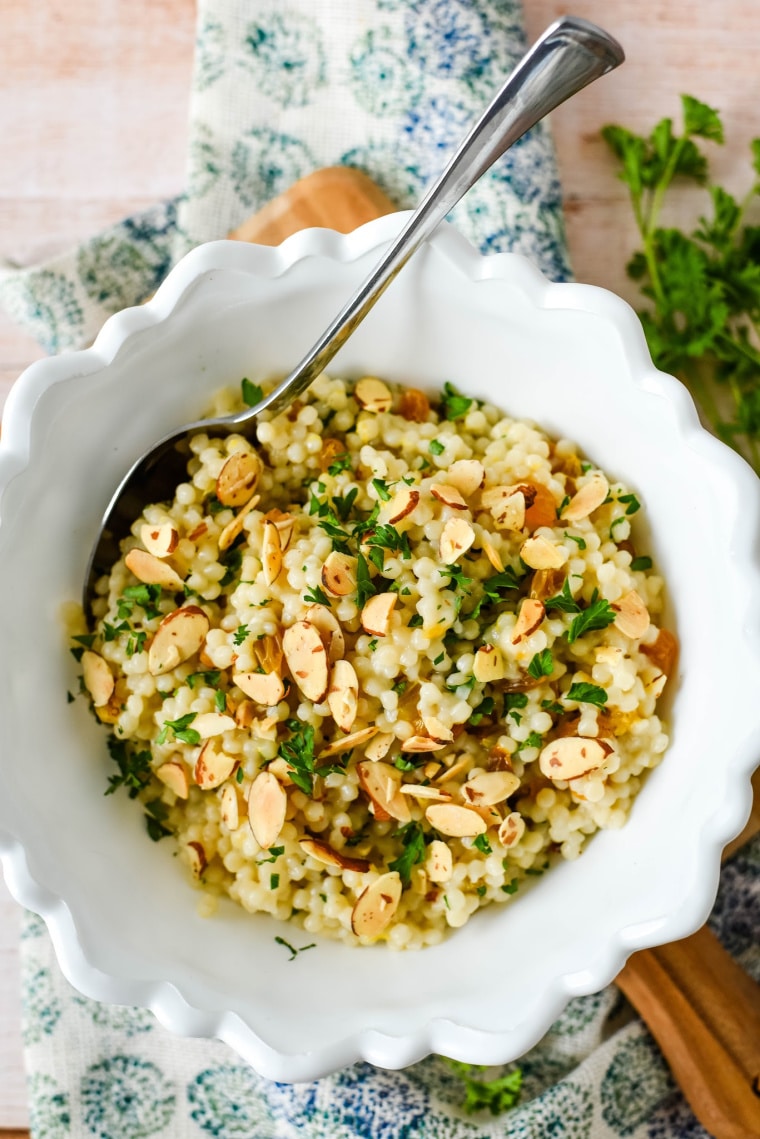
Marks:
<point>281,88</point>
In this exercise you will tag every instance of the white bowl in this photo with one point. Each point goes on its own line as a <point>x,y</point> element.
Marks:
<point>123,919</point>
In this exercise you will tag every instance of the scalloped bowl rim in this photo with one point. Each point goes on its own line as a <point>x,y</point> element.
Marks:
<point>439,1034</point>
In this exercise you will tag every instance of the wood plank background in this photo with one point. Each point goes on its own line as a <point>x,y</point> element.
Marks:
<point>93,110</point>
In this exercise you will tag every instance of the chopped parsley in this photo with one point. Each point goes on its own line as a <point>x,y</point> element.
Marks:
<point>542,664</point>
<point>240,634</point>
<point>209,676</point>
<point>134,767</point>
<point>631,502</point>
<point>493,587</point>
<point>455,405</point>
<point>340,463</point>
<point>372,645</point>
<point>239,775</point>
<point>136,642</point>
<point>365,587</point>
<point>232,560</point>
<point>298,753</point>
<point>413,840</point>
<point>580,542</point>
<point>180,729</point>
<point>436,447</point>
<point>587,694</point>
<point>274,881</point>
<point>155,814</point>
<point>598,615</point>
<point>146,596</point>
<point>293,951</point>
<point>86,639</point>
<point>534,739</point>
<point>252,393</point>
<point>220,701</point>
<point>512,887</point>
<point>415,621</point>
<point>344,503</point>
<point>484,708</point>
<point>482,844</point>
<point>563,600</point>
<point>382,489</point>
<point>316,596</point>
<point>405,764</point>
<point>642,563</point>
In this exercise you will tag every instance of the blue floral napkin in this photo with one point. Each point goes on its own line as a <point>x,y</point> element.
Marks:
<point>282,88</point>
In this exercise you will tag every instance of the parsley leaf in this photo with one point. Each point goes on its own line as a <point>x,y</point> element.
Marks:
<point>382,489</point>
<point>587,694</point>
<point>240,634</point>
<point>436,447</point>
<point>598,615</point>
<point>365,587</point>
<point>209,676</point>
<point>642,563</point>
<point>252,393</point>
<point>134,767</point>
<point>413,840</point>
<point>563,600</point>
<point>542,664</point>
<point>455,405</point>
<point>180,729</point>
<point>482,844</point>
<point>293,951</point>
<point>316,596</point>
<point>340,463</point>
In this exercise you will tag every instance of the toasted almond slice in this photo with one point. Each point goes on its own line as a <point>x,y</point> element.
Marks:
<point>179,636</point>
<point>245,713</point>
<point>306,658</point>
<point>355,739</point>
<point>373,395</point>
<point>403,503</point>
<point>271,552</point>
<point>212,767</point>
<point>380,782</point>
<point>448,495</point>
<point>267,804</point>
<point>235,527</point>
<point>467,475</point>
<point>432,768</point>
<point>436,730</point>
<point>322,852</point>
<point>507,506</point>
<point>632,615</point>
<point>425,791</point>
<point>414,405</point>
<point>490,787</point>
<point>282,771</point>
<point>490,814</point>
<point>591,495</point>
<point>268,652</point>
<point>528,619</point>
<point>174,775</point>
<point>663,651</point>
<point>422,743</point>
<point>376,614</point>
<point>209,724</point>
<point>196,856</point>
<point>511,830</point>
<point>572,756</point>
<point>343,694</point>
<point>541,554</point>
<point>656,686</point>
<point>161,540</point>
<point>266,688</point>
<point>229,807</point>
<point>284,522</point>
<point>492,554</point>
<point>456,538</point>
<point>456,821</point>
<point>329,628</point>
<point>98,678</point>
<point>374,908</point>
<point>339,574</point>
<point>151,570</point>
<point>379,746</point>
<point>489,664</point>
<point>439,863</point>
<point>238,478</point>
<point>541,510</point>
<point>457,768</point>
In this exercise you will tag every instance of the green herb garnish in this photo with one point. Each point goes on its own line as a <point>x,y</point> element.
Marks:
<point>252,393</point>
<point>542,664</point>
<point>598,615</point>
<point>587,694</point>
<point>413,840</point>
<point>455,405</point>
<point>240,634</point>
<point>180,729</point>
<point>642,563</point>
<point>316,596</point>
<point>436,447</point>
<point>293,951</point>
<point>340,463</point>
<point>482,844</point>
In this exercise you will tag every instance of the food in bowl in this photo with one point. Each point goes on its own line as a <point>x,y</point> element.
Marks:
<point>380,669</point>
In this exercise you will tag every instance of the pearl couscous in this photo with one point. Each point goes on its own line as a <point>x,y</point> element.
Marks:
<point>375,671</point>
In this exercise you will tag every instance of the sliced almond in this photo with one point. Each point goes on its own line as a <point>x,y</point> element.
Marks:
<point>196,856</point>
<point>343,694</point>
<point>421,744</point>
<point>448,495</point>
<point>347,743</point>
<point>235,527</point>
<point>378,747</point>
<point>506,505</point>
<point>98,678</point>
<point>511,830</point>
<point>229,807</point>
<point>266,688</point>
<point>439,863</point>
<point>268,652</point>
<point>209,724</point>
<point>339,574</point>
<point>436,730</point>
<point>489,664</point>
<point>590,496</point>
<point>306,658</point>
<point>656,686</point>
<point>374,908</point>
<point>456,538</point>
<point>284,522</point>
<point>528,619</point>
<point>376,614</point>
<point>174,775</point>
<point>492,554</point>
<point>403,503</point>
<point>380,782</point>
<point>425,791</point>
<point>456,821</point>
<point>373,395</point>
<point>271,552</point>
<point>151,570</point>
<point>458,767</point>
<point>467,475</point>
<point>238,478</point>
<point>179,636</point>
<point>329,628</point>
<point>212,767</point>
<point>267,804</point>
<point>161,540</point>
<point>663,651</point>
<point>490,787</point>
<point>414,405</point>
<point>632,615</point>
<point>245,714</point>
<point>324,853</point>
<point>541,554</point>
<point>572,756</point>
<point>541,507</point>
<point>489,814</point>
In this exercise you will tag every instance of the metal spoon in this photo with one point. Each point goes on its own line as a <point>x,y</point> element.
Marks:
<point>569,55</point>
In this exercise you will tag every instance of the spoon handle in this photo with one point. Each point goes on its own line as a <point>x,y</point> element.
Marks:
<point>569,55</point>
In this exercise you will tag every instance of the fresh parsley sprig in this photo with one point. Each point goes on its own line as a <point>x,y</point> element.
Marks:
<point>703,286</point>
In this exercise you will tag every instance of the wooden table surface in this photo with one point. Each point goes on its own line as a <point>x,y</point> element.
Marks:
<point>93,110</point>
